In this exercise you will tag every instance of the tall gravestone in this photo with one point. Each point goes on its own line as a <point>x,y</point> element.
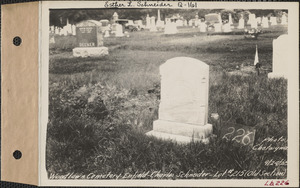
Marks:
<point>254,23</point>
<point>119,30</point>
<point>265,22</point>
<point>197,20</point>
<point>89,40</point>
<point>148,22</point>
<point>115,17</point>
<point>230,19</point>
<point>281,54</point>
<point>183,107</point>
<point>241,23</point>
<point>73,29</point>
<point>283,19</point>
<point>185,23</point>
<point>159,23</point>
<point>152,24</point>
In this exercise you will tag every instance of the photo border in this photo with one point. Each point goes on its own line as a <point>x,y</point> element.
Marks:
<point>293,97</point>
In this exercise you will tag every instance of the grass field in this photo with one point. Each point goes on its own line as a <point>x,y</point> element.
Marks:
<point>101,108</point>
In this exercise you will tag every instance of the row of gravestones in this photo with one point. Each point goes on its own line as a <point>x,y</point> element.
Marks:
<point>253,22</point>
<point>90,38</point>
<point>183,109</point>
<point>66,30</point>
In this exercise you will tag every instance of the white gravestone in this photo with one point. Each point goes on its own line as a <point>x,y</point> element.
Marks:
<point>202,27</point>
<point>251,18</point>
<point>227,28</point>
<point>152,24</point>
<point>73,29</point>
<point>61,31</point>
<point>115,17</point>
<point>241,23</point>
<point>159,22</point>
<point>265,22</point>
<point>230,19</point>
<point>183,107</point>
<point>56,31</point>
<point>170,28</point>
<point>258,19</point>
<point>273,20</point>
<point>220,18</point>
<point>185,23</point>
<point>119,30</point>
<point>179,23</point>
<point>148,25</point>
<point>218,27</point>
<point>283,19</point>
<point>68,28</point>
<point>196,20</point>
<point>106,34</point>
<point>190,23</point>
<point>281,54</point>
<point>254,24</point>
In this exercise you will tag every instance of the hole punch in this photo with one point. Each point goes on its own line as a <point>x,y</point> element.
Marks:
<point>17,41</point>
<point>17,154</point>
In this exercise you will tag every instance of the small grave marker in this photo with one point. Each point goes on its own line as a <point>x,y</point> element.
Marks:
<point>241,23</point>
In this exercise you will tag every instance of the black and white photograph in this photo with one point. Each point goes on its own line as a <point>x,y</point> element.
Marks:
<point>154,91</point>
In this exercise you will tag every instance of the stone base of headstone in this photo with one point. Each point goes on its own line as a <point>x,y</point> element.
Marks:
<point>274,75</point>
<point>90,51</point>
<point>181,132</point>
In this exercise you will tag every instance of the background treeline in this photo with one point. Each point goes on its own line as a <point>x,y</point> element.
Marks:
<point>60,17</point>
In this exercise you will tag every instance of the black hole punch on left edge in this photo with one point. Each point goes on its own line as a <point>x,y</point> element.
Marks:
<point>17,41</point>
<point>17,154</point>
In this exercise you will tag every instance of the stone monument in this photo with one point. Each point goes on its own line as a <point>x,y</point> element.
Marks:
<point>170,28</point>
<point>241,23</point>
<point>115,17</point>
<point>281,54</point>
<point>73,29</point>
<point>265,22</point>
<point>183,109</point>
<point>89,40</point>
<point>230,19</point>
<point>148,24</point>
<point>284,19</point>
<point>227,28</point>
<point>273,20</point>
<point>159,23</point>
<point>254,24</point>
<point>152,24</point>
<point>119,30</point>
<point>218,27</point>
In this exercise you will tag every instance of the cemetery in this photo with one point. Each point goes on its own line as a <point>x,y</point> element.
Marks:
<point>181,96</point>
